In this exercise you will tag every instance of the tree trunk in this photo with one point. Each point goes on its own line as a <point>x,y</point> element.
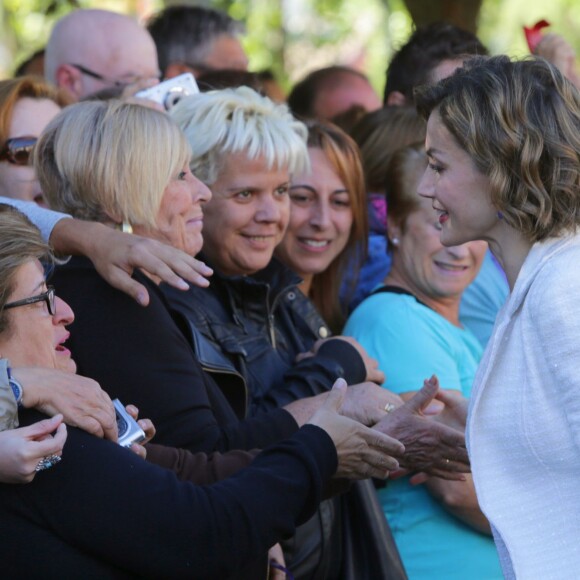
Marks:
<point>462,13</point>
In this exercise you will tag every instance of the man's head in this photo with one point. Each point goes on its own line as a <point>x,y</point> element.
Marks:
<point>196,39</point>
<point>432,53</point>
<point>330,91</point>
<point>90,50</point>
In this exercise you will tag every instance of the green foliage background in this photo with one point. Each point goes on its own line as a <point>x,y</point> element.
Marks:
<point>293,37</point>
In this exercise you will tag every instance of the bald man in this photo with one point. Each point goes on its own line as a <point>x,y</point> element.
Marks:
<point>330,91</point>
<point>92,50</point>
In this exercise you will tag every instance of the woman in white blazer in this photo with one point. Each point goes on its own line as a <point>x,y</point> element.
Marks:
<point>503,140</point>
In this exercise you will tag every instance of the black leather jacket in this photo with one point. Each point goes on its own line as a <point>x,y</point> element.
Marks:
<point>259,324</point>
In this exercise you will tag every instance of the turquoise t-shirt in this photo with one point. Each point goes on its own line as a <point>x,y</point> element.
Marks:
<point>411,343</point>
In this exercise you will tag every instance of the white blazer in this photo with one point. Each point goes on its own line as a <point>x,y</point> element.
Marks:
<point>523,428</point>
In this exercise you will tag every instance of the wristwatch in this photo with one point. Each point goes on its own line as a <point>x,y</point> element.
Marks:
<point>16,387</point>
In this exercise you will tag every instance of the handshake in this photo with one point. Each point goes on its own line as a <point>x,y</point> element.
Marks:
<point>374,441</point>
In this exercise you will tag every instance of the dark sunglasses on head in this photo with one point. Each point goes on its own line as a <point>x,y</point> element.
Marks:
<point>18,150</point>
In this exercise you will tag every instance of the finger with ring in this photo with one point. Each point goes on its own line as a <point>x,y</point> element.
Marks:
<point>47,462</point>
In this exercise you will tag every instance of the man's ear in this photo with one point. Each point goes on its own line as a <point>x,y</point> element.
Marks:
<point>396,99</point>
<point>69,78</point>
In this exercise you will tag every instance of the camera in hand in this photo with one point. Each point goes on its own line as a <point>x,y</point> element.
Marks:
<point>129,430</point>
<point>170,92</point>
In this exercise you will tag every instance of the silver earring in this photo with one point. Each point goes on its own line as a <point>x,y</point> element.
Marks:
<point>395,241</point>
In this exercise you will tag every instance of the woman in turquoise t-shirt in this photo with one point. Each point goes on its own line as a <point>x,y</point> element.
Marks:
<point>411,326</point>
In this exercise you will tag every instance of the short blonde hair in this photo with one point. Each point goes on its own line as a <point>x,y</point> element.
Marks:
<point>109,160</point>
<point>519,121</point>
<point>218,123</point>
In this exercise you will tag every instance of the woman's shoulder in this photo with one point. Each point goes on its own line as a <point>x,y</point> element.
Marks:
<point>387,318</point>
<point>388,303</point>
<point>555,277</point>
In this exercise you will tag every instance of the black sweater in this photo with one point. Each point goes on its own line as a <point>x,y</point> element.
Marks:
<point>141,356</point>
<point>105,513</point>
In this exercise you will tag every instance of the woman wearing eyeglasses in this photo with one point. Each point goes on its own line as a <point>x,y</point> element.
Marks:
<point>27,105</point>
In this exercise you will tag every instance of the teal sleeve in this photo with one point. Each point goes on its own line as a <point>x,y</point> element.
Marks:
<point>407,339</point>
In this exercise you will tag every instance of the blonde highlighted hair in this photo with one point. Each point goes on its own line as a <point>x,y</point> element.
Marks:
<point>519,121</point>
<point>219,123</point>
<point>109,161</point>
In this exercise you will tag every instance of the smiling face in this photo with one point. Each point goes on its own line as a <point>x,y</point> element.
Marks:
<point>29,118</point>
<point>425,267</point>
<point>247,216</point>
<point>320,218</point>
<point>34,336</point>
<point>179,220</point>
<point>457,189</point>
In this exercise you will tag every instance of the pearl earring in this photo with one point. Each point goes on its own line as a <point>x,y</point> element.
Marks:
<point>395,241</point>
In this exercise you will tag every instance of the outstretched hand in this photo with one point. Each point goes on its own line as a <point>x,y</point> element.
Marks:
<point>116,255</point>
<point>362,452</point>
<point>366,403</point>
<point>430,447</point>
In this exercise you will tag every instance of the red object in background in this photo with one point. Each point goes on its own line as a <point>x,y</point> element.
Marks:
<point>534,34</point>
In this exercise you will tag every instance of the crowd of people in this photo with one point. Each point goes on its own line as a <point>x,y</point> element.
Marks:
<point>345,327</point>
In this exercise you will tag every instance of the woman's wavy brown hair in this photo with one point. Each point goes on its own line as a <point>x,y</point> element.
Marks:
<point>520,123</point>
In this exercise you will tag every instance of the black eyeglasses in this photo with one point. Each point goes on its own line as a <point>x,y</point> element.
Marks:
<point>47,297</point>
<point>115,83</point>
<point>18,150</point>
<point>99,77</point>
